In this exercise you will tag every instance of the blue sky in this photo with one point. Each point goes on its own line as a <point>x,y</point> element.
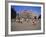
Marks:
<point>34,9</point>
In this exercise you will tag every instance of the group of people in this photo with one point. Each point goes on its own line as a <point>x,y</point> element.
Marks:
<point>34,20</point>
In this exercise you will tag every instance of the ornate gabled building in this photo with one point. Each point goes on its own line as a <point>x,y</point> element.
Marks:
<point>27,14</point>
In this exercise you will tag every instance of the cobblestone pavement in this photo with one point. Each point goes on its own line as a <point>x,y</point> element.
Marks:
<point>15,26</point>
